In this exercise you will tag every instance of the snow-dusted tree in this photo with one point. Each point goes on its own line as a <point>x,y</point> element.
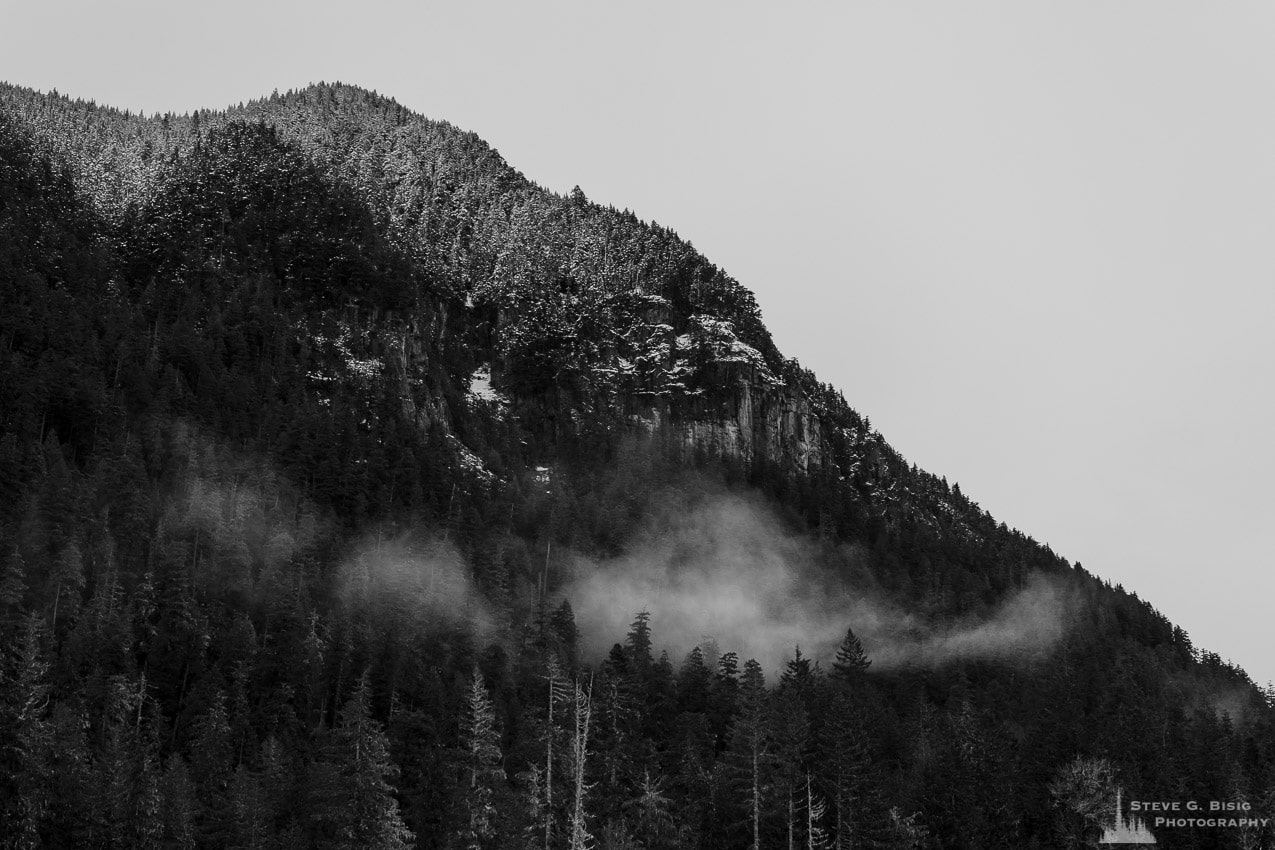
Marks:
<point>908,833</point>
<point>816,808</point>
<point>481,766</point>
<point>557,694</point>
<point>1082,790</point>
<point>583,714</point>
<point>655,826</point>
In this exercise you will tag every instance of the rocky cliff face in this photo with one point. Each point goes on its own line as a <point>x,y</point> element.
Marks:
<point>748,416</point>
<point>693,375</point>
<point>577,310</point>
<point>417,351</point>
<point>760,421</point>
<point>742,407</point>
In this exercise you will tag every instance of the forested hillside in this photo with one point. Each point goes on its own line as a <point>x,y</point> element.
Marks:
<point>358,492</point>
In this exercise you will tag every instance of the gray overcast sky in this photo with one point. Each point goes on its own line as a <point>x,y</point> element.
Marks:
<point>1032,241</point>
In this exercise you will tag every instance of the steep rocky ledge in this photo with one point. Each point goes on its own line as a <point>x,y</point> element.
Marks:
<point>750,418</point>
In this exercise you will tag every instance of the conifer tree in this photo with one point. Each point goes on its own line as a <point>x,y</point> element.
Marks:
<point>580,839</point>
<point>73,806</point>
<point>639,640</point>
<point>851,660</point>
<point>693,683</point>
<point>655,826</point>
<point>751,748</point>
<point>566,634</point>
<point>792,742</point>
<point>367,814</point>
<point>481,766</point>
<point>179,807</point>
<point>13,591</point>
<point>558,693</point>
<point>618,743</point>
<point>725,692</point>
<point>26,738</point>
<point>846,771</point>
<point>211,762</point>
<point>126,794</point>
<point>252,815</point>
<point>798,675</point>
<point>147,800</point>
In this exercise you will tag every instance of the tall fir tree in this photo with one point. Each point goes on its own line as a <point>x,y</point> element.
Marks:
<point>481,772</point>
<point>750,753</point>
<point>366,811</point>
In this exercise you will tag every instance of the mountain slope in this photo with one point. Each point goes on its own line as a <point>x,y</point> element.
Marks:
<point>257,500</point>
<point>641,324</point>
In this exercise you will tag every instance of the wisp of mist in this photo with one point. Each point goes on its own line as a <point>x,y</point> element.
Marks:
<point>409,583</point>
<point>727,572</point>
<point>721,570</point>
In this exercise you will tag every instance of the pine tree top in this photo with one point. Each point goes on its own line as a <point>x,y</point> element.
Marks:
<point>851,660</point>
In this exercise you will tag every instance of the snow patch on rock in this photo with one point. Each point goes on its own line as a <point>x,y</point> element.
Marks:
<point>480,386</point>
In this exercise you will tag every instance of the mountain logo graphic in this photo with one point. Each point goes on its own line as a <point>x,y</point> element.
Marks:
<point>1131,831</point>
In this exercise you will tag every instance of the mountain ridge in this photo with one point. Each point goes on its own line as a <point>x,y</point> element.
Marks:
<point>317,407</point>
<point>808,415</point>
